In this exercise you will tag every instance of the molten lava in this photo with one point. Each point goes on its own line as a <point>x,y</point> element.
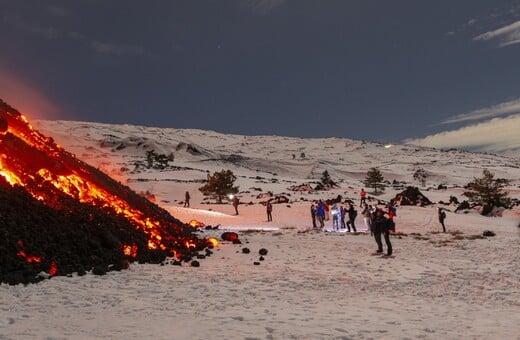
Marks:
<point>49,173</point>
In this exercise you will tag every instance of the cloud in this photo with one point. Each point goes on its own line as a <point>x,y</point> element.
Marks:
<point>499,135</point>
<point>511,107</point>
<point>507,35</point>
<point>116,49</point>
<point>58,11</point>
<point>46,32</point>
<point>261,6</point>
<point>18,93</point>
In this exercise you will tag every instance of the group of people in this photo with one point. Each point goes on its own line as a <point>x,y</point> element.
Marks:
<point>378,221</point>
<point>343,217</point>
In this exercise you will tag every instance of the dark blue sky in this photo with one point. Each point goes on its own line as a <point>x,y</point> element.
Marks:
<point>362,69</point>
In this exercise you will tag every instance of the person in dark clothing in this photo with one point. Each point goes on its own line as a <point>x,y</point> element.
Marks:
<point>320,213</point>
<point>380,226</point>
<point>235,204</point>
<point>442,217</point>
<point>386,235</point>
<point>313,215</point>
<point>343,212</point>
<point>269,208</point>
<point>187,200</point>
<point>352,213</point>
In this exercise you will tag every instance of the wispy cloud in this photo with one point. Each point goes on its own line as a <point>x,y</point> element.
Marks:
<point>499,135</point>
<point>58,11</point>
<point>116,49</point>
<point>262,6</point>
<point>507,108</point>
<point>40,30</point>
<point>506,35</point>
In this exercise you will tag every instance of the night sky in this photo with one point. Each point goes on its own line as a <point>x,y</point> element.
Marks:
<point>362,69</point>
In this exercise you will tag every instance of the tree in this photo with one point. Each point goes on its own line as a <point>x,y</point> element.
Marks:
<point>157,161</point>
<point>420,175</point>
<point>326,180</point>
<point>374,179</point>
<point>220,184</point>
<point>488,192</point>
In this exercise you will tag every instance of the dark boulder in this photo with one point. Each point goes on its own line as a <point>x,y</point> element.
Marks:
<point>412,196</point>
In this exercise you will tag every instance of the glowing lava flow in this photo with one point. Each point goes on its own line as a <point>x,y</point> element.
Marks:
<point>43,168</point>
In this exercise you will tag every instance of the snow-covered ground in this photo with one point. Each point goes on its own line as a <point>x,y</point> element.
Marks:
<point>311,285</point>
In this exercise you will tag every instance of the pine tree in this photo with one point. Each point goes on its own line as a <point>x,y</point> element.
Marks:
<point>488,192</point>
<point>374,179</point>
<point>326,180</point>
<point>219,185</point>
<point>420,175</point>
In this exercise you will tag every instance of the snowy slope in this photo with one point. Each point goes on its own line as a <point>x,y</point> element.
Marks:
<point>311,285</point>
<point>273,163</point>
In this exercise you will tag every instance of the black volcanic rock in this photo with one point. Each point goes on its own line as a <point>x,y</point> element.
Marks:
<point>412,196</point>
<point>58,215</point>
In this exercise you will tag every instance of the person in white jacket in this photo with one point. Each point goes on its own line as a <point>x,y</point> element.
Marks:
<point>365,211</point>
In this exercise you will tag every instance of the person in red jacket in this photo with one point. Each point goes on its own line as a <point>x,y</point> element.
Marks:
<point>363,196</point>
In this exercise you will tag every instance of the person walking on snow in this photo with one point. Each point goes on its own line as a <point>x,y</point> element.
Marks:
<point>442,217</point>
<point>269,209</point>
<point>187,200</point>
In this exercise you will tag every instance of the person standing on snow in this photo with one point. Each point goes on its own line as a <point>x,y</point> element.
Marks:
<point>335,217</point>
<point>380,226</point>
<point>235,204</point>
<point>365,211</point>
<point>326,209</point>
<point>352,213</point>
<point>313,215</point>
<point>442,217</point>
<point>320,213</point>
<point>343,213</point>
<point>363,197</point>
<point>269,209</point>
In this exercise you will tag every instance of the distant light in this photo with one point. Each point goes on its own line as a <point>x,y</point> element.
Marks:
<point>231,197</point>
<point>388,146</point>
